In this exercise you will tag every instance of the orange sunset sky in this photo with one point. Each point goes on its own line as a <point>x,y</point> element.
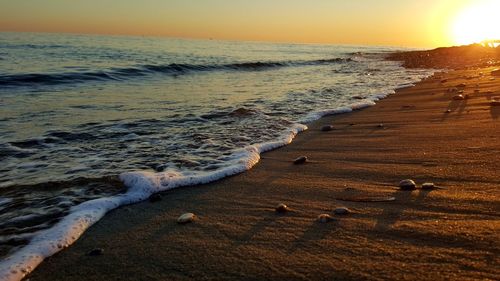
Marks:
<point>413,23</point>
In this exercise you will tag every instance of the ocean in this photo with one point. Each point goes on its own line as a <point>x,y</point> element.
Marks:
<point>89,123</point>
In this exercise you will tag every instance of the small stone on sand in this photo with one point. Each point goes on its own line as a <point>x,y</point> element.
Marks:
<point>428,185</point>
<point>458,97</point>
<point>495,103</point>
<point>407,184</point>
<point>186,218</point>
<point>327,128</point>
<point>448,111</point>
<point>324,218</point>
<point>282,208</point>
<point>300,160</point>
<point>96,252</point>
<point>342,211</point>
<point>380,125</point>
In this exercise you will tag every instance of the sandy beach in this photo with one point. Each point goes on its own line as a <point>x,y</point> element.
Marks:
<point>420,133</point>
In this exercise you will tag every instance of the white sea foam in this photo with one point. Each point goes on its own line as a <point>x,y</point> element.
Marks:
<point>143,184</point>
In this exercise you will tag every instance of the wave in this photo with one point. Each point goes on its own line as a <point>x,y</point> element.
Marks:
<point>173,69</point>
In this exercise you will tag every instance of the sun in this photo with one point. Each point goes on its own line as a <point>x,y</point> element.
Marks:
<point>477,22</point>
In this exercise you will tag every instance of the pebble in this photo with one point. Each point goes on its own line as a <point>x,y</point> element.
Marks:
<point>327,128</point>
<point>186,218</point>
<point>282,208</point>
<point>300,160</point>
<point>448,111</point>
<point>342,211</point>
<point>324,218</point>
<point>96,252</point>
<point>155,197</point>
<point>380,125</point>
<point>428,185</point>
<point>407,184</point>
<point>458,97</point>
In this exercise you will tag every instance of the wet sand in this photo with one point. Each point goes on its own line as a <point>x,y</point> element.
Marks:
<point>443,234</point>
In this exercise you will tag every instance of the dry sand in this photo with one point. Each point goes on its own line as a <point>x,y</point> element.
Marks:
<point>444,234</point>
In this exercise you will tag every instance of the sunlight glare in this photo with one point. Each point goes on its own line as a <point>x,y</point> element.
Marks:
<point>477,22</point>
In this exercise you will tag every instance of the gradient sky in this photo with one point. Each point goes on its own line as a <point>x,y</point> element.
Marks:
<point>416,23</point>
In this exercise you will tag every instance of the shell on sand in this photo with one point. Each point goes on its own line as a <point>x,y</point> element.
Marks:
<point>300,160</point>
<point>186,218</point>
<point>458,97</point>
<point>342,211</point>
<point>407,184</point>
<point>327,128</point>
<point>282,208</point>
<point>324,218</point>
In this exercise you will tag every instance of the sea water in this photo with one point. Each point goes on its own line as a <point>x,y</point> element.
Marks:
<point>89,123</point>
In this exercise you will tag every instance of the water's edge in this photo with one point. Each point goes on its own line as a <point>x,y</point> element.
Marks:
<point>141,185</point>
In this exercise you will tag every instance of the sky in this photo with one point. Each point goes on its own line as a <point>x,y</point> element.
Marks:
<point>411,23</point>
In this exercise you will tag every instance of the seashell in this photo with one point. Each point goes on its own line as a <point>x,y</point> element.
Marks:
<point>458,97</point>
<point>186,218</point>
<point>428,185</point>
<point>324,218</point>
<point>407,184</point>
<point>327,128</point>
<point>300,160</point>
<point>342,211</point>
<point>282,208</point>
